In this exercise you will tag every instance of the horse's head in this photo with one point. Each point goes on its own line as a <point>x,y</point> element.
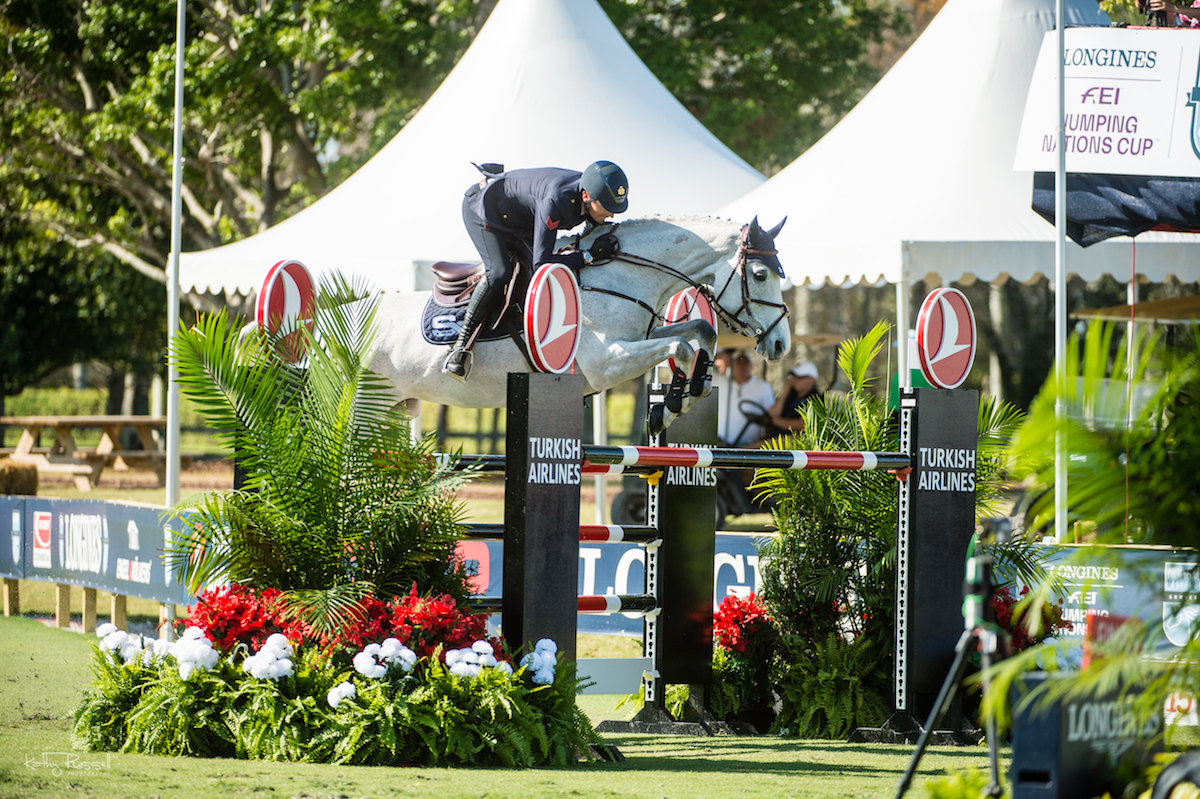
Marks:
<point>751,298</point>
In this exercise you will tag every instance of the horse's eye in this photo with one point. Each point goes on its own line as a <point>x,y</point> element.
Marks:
<point>760,273</point>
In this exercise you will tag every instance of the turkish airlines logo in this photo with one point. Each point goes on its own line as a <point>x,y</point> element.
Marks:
<point>42,552</point>
<point>946,337</point>
<point>552,318</point>
<point>287,300</point>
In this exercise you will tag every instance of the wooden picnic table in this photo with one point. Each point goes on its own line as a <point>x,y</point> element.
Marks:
<point>86,465</point>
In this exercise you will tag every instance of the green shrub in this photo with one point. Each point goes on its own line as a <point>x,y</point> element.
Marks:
<point>828,689</point>
<point>428,716</point>
<point>60,401</point>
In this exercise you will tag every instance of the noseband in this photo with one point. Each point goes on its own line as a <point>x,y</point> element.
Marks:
<point>745,254</point>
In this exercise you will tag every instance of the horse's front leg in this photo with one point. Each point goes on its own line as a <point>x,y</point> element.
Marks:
<point>701,338</point>
<point>607,364</point>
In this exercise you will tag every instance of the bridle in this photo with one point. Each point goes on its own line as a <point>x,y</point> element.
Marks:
<point>746,253</point>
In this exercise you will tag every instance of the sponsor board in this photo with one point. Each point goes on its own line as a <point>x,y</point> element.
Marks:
<point>287,300</point>
<point>686,305</point>
<point>946,337</point>
<point>111,546</point>
<point>1145,583</point>
<point>1132,104</point>
<point>621,569</point>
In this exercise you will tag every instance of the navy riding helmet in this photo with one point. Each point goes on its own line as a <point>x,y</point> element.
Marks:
<point>604,181</point>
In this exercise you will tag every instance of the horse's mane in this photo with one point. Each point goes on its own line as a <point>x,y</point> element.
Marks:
<point>683,220</point>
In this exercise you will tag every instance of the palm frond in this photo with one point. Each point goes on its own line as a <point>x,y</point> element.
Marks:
<point>326,610</point>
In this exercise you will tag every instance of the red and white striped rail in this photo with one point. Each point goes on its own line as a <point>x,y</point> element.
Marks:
<point>588,533</point>
<point>605,604</point>
<point>721,457</point>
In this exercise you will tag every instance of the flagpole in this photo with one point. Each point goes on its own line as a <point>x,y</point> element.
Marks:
<point>173,278</point>
<point>1060,282</point>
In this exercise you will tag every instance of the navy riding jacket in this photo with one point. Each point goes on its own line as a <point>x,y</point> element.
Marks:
<point>532,206</point>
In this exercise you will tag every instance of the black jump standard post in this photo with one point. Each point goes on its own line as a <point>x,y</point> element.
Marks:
<point>544,455</point>
<point>935,522</point>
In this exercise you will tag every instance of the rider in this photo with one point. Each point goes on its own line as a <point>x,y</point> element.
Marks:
<point>523,211</point>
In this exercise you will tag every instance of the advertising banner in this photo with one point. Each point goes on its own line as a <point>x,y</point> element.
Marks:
<point>1147,583</point>
<point>621,569</point>
<point>111,546</point>
<point>1132,104</point>
<point>12,528</point>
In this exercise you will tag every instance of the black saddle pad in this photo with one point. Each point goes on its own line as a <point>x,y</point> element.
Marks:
<point>440,323</point>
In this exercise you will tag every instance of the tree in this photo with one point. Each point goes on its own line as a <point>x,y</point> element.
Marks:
<point>61,307</point>
<point>282,100</point>
<point>766,78</point>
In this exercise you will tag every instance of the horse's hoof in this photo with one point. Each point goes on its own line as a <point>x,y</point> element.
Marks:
<point>701,385</point>
<point>655,422</point>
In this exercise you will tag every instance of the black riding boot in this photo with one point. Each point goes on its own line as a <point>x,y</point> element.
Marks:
<point>458,362</point>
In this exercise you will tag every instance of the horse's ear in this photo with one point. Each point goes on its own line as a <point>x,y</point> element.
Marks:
<point>773,232</point>
<point>754,223</point>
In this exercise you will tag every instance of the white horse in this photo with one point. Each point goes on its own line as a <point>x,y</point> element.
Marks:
<point>622,335</point>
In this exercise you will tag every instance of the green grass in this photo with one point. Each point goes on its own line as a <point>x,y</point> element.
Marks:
<point>43,673</point>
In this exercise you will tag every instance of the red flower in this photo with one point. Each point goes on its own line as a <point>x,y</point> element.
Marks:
<point>737,621</point>
<point>236,614</point>
<point>1012,621</point>
<point>233,615</point>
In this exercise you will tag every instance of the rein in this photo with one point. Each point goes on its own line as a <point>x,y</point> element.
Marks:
<point>732,320</point>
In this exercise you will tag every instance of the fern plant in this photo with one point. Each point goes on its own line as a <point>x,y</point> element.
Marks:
<point>439,718</point>
<point>177,716</point>
<point>828,689</point>
<point>340,502</point>
<point>285,719</point>
<point>101,719</point>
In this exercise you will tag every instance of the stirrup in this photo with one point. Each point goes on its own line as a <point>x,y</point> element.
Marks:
<point>458,364</point>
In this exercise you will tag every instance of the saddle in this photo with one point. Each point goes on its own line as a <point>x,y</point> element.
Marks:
<point>453,284</point>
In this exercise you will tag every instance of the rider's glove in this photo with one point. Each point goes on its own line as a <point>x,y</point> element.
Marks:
<point>603,248</point>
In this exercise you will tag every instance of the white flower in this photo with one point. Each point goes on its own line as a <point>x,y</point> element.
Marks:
<point>281,668</point>
<point>114,640</point>
<point>278,644</point>
<point>194,632</point>
<point>272,661</point>
<point>366,665</point>
<point>193,651</point>
<point>482,648</point>
<point>464,669</point>
<point>106,628</point>
<point>541,661</point>
<point>337,693</point>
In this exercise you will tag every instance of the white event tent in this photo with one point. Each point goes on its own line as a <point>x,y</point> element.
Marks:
<point>545,83</point>
<point>918,178</point>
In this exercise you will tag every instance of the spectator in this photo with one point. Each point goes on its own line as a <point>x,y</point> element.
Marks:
<point>736,425</point>
<point>785,412</point>
<point>1173,14</point>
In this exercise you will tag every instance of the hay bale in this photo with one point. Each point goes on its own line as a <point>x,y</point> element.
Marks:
<point>18,478</point>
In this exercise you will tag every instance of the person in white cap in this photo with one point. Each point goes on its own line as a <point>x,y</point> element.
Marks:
<point>801,387</point>
<point>739,425</point>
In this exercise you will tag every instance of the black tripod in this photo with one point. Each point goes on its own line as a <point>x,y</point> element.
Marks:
<point>979,634</point>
